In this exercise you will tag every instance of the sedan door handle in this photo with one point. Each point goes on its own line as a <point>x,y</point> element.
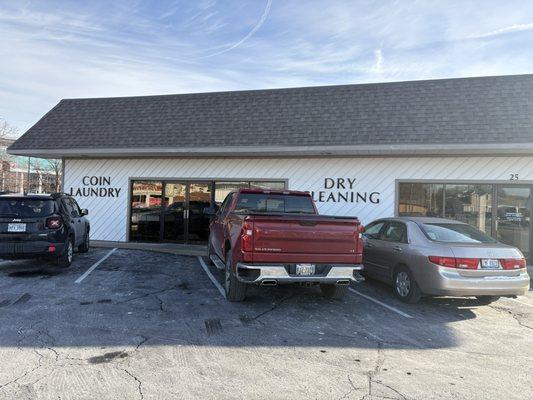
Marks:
<point>397,248</point>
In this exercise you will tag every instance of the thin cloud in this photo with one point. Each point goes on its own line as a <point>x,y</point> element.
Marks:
<point>505,30</point>
<point>248,36</point>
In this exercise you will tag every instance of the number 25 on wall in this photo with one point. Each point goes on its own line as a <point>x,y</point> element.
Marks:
<point>513,177</point>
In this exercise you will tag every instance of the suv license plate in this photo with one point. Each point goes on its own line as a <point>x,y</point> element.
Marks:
<point>305,269</point>
<point>16,227</point>
<point>490,263</point>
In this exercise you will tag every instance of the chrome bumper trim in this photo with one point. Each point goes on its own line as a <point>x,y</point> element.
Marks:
<point>278,273</point>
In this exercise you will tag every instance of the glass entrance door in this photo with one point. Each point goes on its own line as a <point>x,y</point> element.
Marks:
<point>514,209</point>
<point>183,214</point>
<point>175,212</point>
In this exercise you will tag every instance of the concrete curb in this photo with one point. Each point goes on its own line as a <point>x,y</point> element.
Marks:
<point>170,248</point>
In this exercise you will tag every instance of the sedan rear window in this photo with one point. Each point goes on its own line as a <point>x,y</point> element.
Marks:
<point>455,233</point>
<point>263,202</point>
<point>25,208</point>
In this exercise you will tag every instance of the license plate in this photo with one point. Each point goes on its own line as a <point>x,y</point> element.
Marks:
<point>305,269</point>
<point>16,227</point>
<point>490,263</point>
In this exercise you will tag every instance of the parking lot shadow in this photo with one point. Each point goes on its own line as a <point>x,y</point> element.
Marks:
<point>142,298</point>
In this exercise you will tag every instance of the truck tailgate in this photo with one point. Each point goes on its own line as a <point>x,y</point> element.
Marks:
<point>305,238</point>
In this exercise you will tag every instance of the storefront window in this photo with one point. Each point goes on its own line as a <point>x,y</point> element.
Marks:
<point>223,188</point>
<point>421,199</point>
<point>146,199</point>
<point>471,204</point>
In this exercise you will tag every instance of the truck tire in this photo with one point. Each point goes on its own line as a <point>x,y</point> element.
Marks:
<point>235,289</point>
<point>332,291</point>
<point>65,258</point>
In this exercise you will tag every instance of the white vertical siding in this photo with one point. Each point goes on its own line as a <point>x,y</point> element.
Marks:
<point>109,215</point>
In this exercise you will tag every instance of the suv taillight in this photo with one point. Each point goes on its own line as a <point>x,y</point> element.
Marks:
<point>54,223</point>
<point>247,236</point>
<point>452,262</point>
<point>513,263</point>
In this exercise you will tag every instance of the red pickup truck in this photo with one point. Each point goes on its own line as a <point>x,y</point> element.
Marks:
<point>269,237</point>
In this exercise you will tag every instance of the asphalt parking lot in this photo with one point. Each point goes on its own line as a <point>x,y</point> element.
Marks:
<point>145,325</point>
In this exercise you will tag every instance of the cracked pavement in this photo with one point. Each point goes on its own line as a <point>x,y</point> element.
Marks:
<point>148,325</point>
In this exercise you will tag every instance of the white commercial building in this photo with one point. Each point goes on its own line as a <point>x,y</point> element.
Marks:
<point>147,167</point>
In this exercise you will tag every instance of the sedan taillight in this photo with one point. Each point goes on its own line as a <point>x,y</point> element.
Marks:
<point>513,263</point>
<point>452,262</point>
<point>53,223</point>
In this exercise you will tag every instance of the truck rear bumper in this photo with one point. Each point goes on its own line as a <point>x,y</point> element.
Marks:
<point>339,274</point>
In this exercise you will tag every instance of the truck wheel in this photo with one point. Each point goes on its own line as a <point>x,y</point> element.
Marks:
<point>332,291</point>
<point>405,286</point>
<point>65,258</point>
<point>84,247</point>
<point>235,289</point>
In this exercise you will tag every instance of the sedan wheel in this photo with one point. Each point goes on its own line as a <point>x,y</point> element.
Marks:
<point>405,286</point>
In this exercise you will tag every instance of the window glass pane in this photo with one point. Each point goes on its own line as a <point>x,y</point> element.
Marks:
<point>146,210</point>
<point>471,204</point>
<point>456,233</point>
<point>252,202</point>
<point>223,188</point>
<point>395,232</point>
<point>372,230</point>
<point>25,208</point>
<point>268,185</point>
<point>421,199</point>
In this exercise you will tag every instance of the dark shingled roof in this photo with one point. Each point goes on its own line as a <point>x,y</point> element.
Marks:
<point>481,110</point>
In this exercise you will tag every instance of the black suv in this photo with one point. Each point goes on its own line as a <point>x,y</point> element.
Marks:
<point>49,226</point>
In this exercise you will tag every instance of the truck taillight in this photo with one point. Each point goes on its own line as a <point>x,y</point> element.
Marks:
<point>513,263</point>
<point>247,236</point>
<point>452,262</point>
<point>53,223</point>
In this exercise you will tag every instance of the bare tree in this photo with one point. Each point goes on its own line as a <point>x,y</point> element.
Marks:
<point>56,166</point>
<point>7,130</point>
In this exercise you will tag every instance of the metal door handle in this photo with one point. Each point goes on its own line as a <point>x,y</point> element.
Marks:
<point>397,248</point>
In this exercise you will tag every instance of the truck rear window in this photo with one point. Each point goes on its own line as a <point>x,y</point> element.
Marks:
<point>274,203</point>
<point>25,208</point>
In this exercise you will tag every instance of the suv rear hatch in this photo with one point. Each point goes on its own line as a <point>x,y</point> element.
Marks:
<point>20,216</point>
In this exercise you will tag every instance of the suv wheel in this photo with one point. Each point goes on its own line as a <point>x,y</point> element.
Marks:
<point>65,259</point>
<point>235,289</point>
<point>332,291</point>
<point>84,247</point>
<point>405,286</point>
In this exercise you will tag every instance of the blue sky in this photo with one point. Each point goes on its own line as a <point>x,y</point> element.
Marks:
<point>64,49</point>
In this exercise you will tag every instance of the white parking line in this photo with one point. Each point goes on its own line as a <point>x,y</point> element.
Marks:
<point>391,308</point>
<point>96,264</point>
<point>210,275</point>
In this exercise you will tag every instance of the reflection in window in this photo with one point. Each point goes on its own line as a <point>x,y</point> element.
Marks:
<point>146,210</point>
<point>471,204</point>
<point>421,199</point>
<point>222,189</point>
